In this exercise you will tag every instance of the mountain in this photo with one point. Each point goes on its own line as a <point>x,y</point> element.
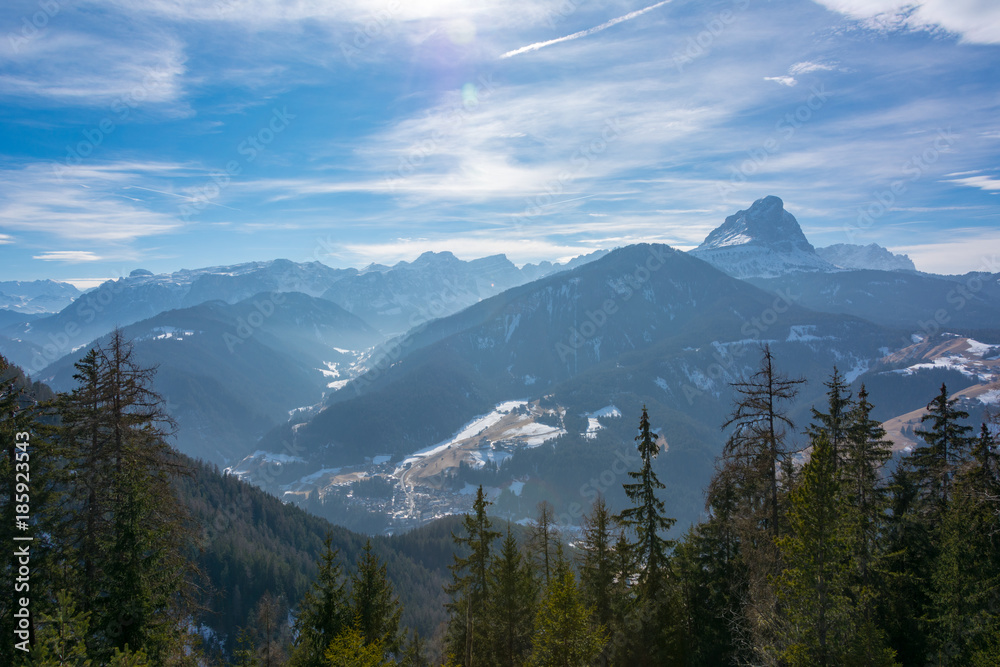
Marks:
<point>645,324</point>
<point>38,296</point>
<point>142,295</point>
<point>871,256</point>
<point>392,299</point>
<point>914,302</point>
<point>436,284</point>
<point>763,241</point>
<point>230,372</point>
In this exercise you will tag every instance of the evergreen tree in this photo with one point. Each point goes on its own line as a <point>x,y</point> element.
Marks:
<point>964,616</point>
<point>512,601</point>
<point>467,640</point>
<point>62,635</point>
<point>542,540</point>
<point>647,519</point>
<point>947,446</point>
<point>835,423</point>
<point>819,625</point>
<point>324,612</point>
<point>376,610</point>
<point>757,468</point>
<point>597,570</point>
<point>349,649</point>
<point>563,636</point>
<point>865,451</point>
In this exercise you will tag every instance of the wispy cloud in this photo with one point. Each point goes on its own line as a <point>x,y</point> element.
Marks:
<point>974,21</point>
<point>982,182</point>
<point>68,256</point>
<point>783,80</point>
<point>584,33</point>
<point>6,239</point>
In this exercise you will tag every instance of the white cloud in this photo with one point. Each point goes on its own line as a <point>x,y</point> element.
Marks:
<point>84,202</point>
<point>6,238</point>
<point>68,256</point>
<point>982,182</point>
<point>963,250</point>
<point>78,69</point>
<point>974,21</point>
<point>807,66</point>
<point>783,80</point>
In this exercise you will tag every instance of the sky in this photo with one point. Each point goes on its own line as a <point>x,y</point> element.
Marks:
<point>170,134</point>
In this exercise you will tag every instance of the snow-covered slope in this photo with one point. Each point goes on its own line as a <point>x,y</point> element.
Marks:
<point>38,296</point>
<point>871,256</point>
<point>761,242</point>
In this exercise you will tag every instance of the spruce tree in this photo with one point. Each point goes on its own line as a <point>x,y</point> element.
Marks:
<point>598,587</point>
<point>819,625</point>
<point>324,612</point>
<point>542,540</point>
<point>835,423</point>
<point>652,617</point>
<point>376,609</point>
<point>511,604</point>
<point>963,621</point>
<point>946,447</point>
<point>467,634</point>
<point>563,636</point>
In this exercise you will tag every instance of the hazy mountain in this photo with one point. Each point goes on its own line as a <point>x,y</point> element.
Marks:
<point>230,372</point>
<point>915,302</point>
<point>871,256</point>
<point>37,296</point>
<point>762,241</point>
<point>643,325</point>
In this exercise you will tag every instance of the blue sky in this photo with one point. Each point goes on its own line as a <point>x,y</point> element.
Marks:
<point>169,134</point>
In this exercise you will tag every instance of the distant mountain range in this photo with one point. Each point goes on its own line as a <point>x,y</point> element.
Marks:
<point>307,379</point>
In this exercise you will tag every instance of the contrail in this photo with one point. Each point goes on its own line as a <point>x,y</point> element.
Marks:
<point>583,33</point>
<point>174,194</point>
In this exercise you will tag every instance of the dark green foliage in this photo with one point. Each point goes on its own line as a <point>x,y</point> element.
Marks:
<point>324,612</point>
<point>947,446</point>
<point>511,604</point>
<point>375,609</point>
<point>467,642</point>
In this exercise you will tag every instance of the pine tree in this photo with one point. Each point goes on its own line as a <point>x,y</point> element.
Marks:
<point>542,540</point>
<point>865,451</point>
<point>820,626</point>
<point>324,612</point>
<point>597,570</point>
<point>511,604</point>
<point>563,636</point>
<point>349,649</point>
<point>947,446</point>
<point>963,621</point>
<point>467,639</point>
<point>647,519</point>
<point>835,423</point>
<point>62,635</point>
<point>376,609</point>
<point>757,468</point>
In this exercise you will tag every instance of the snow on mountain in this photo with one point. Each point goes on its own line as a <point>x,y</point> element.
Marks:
<point>762,241</point>
<point>37,296</point>
<point>871,256</point>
